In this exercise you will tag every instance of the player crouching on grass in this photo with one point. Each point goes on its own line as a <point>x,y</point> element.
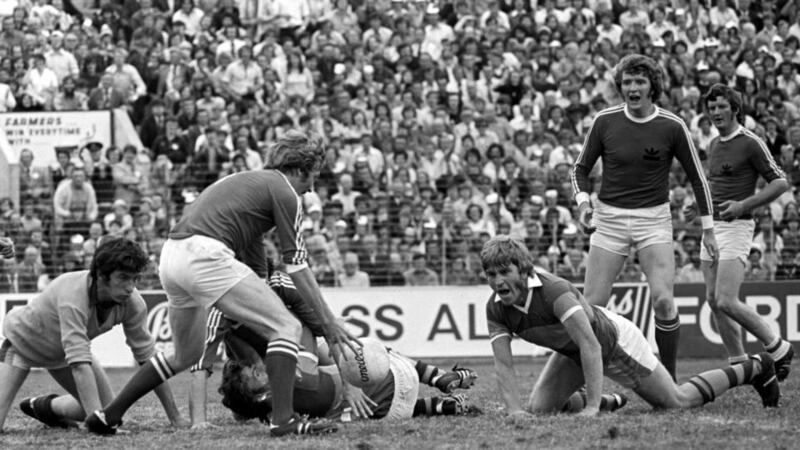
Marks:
<point>321,392</point>
<point>588,341</point>
<point>55,329</point>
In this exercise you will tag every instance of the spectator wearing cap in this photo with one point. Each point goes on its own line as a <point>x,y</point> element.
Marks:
<point>40,82</point>
<point>75,203</point>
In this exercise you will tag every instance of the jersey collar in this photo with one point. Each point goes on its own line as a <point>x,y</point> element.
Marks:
<point>533,282</point>
<point>641,119</point>
<point>738,130</point>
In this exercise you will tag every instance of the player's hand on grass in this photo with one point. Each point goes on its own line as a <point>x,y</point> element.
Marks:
<point>201,426</point>
<point>690,213</point>
<point>710,242</point>
<point>518,417</point>
<point>358,400</point>
<point>585,213</point>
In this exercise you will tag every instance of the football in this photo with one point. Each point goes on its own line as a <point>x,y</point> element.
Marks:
<point>368,366</point>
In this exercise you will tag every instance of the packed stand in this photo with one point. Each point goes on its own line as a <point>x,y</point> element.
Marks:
<point>446,122</point>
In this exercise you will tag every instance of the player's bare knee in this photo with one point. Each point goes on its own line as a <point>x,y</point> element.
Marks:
<point>664,306</point>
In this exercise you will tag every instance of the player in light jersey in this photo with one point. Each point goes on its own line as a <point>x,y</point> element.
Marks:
<point>214,257</point>
<point>637,142</point>
<point>589,341</point>
<point>737,157</point>
<point>55,329</point>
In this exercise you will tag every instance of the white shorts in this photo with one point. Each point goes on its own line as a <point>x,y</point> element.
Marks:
<point>406,387</point>
<point>632,359</point>
<point>734,240</point>
<point>619,229</point>
<point>198,271</point>
<point>9,355</point>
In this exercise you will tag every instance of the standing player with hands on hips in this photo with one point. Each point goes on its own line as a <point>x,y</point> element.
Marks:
<point>737,157</point>
<point>637,142</point>
<point>214,257</point>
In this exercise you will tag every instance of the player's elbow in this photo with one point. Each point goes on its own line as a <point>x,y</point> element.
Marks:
<point>781,185</point>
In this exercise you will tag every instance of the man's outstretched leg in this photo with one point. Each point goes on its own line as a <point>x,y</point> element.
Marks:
<point>188,336</point>
<point>458,378</point>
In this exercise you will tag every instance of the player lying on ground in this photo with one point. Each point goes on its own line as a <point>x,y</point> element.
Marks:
<point>589,341</point>
<point>320,390</point>
<point>313,391</point>
<point>737,158</point>
<point>54,332</point>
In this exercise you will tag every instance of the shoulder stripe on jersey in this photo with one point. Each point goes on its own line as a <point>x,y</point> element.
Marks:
<point>765,150</point>
<point>573,177</point>
<point>695,156</point>
<point>281,280</point>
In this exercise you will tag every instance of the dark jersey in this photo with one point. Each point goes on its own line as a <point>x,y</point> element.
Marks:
<point>238,209</point>
<point>735,162</point>
<point>637,155</point>
<point>540,321</point>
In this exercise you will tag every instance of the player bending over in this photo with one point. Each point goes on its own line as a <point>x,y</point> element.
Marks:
<point>54,332</point>
<point>589,341</point>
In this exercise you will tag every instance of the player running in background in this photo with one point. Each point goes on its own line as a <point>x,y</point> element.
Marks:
<point>589,341</point>
<point>737,157</point>
<point>55,329</point>
<point>214,257</point>
<point>637,142</point>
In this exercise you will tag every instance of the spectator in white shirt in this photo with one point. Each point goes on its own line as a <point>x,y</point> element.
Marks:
<point>59,60</point>
<point>40,82</point>
<point>7,100</point>
<point>352,277</point>
<point>126,78</point>
<point>243,77</point>
<point>190,16</point>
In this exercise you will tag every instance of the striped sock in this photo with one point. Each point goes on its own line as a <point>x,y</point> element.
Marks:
<point>428,374</point>
<point>281,362</point>
<point>737,359</point>
<point>667,335</point>
<point>149,376</point>
<point>713,383</point>
<point>778,348</point>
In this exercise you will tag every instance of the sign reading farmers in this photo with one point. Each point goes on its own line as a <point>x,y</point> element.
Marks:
<point>44,132</point>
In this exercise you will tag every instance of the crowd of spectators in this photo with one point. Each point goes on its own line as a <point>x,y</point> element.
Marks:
<point>446,122</point>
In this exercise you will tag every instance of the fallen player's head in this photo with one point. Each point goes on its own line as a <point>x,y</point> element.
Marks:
<point>507,264</point>
<point>245,390</point>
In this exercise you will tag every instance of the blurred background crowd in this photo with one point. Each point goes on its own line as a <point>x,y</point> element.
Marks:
<point>446,122</point>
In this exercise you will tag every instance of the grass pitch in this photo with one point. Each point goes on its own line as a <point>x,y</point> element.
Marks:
<point>735,420</point>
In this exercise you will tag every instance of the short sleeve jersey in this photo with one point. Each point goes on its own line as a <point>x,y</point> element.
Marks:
<point>637,155</point>
<point>538,322</point>
<point>735,162</point>
<point>238,209</point>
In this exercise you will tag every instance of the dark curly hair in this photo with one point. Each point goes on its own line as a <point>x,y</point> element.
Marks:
<point>636,64</point>
<point>117,254</point>
<point>730,95</point>
<point>237,397</point>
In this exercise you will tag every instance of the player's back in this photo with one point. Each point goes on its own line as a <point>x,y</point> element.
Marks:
<point>238,209</point>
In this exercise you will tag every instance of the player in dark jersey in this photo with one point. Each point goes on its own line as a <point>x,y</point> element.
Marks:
<point>213,257</point>
<point>589,341</point>
<point>637,142</point>
<point>737,157</point>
